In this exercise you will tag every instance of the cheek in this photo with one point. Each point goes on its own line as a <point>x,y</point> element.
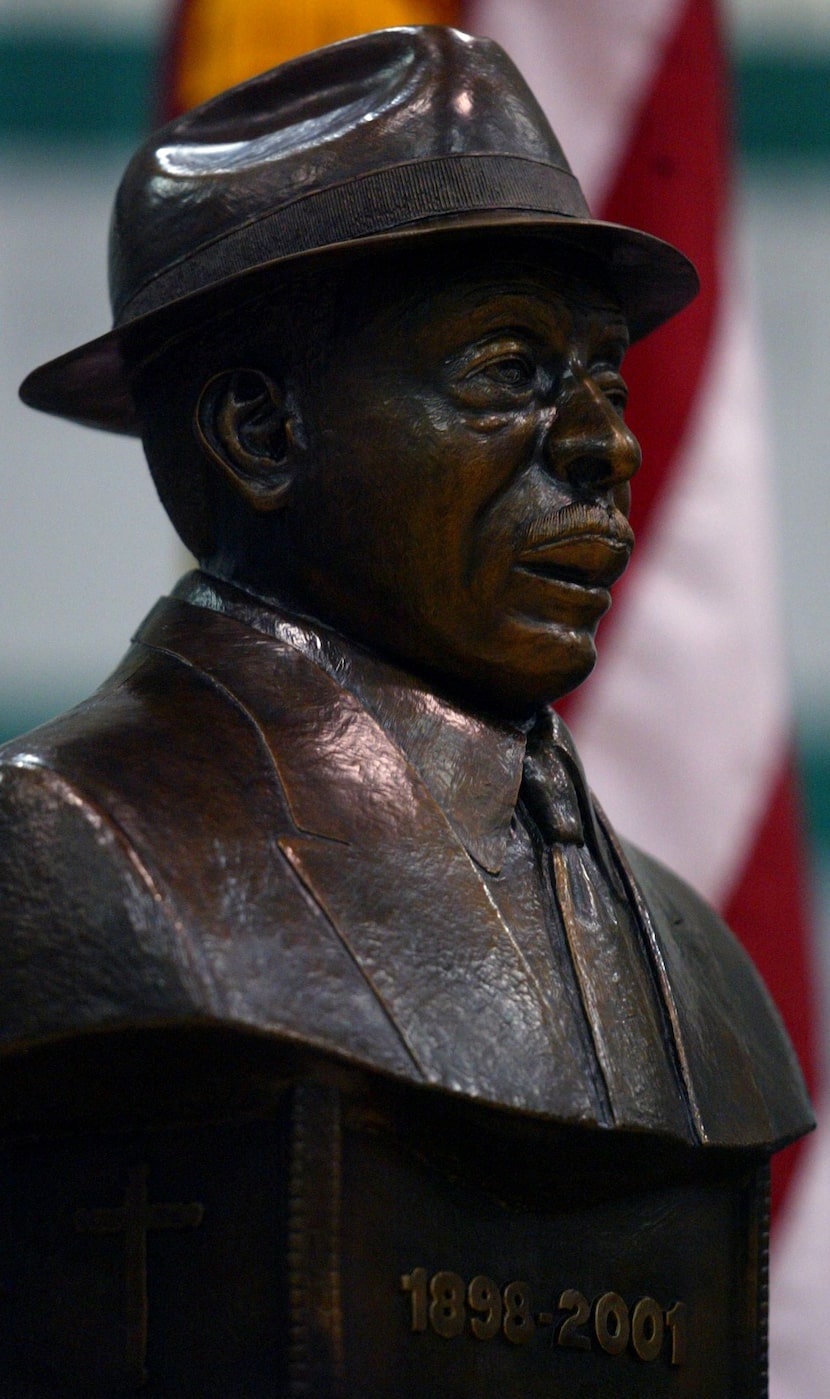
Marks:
<point>418,497</point>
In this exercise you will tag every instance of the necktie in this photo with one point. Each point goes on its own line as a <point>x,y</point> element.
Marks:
<point>624,1016</point>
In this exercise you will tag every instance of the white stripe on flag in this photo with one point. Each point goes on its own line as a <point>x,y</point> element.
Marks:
<point>589,64</point>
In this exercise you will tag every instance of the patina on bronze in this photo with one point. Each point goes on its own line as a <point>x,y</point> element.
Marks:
<point>346,1049</point>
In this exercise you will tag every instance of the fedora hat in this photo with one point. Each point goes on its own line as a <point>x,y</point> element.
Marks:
<point>376,141</point>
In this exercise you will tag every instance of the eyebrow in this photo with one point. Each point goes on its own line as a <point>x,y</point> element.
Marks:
<point>615,334</point>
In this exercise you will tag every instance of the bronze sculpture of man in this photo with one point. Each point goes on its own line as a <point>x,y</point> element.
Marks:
<point>320,861</point>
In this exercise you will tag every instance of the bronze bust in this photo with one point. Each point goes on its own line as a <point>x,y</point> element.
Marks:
<point>311,926</point>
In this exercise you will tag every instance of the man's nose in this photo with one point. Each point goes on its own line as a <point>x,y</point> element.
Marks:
<point>588,443</point>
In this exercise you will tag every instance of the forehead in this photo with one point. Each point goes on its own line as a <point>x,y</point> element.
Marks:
<point>542,290</point>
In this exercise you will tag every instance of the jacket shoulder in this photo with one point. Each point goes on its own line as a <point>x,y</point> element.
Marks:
<point>142,878</point>
<point>745,1073</point>
<point>85,937</point>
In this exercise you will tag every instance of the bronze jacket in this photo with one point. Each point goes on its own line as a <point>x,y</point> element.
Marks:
<point>182,849</point>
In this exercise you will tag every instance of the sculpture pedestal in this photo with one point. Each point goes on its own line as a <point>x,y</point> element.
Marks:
<point>220,1218</point>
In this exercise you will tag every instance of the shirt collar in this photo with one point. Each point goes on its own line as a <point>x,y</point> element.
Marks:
<point>472,766</point>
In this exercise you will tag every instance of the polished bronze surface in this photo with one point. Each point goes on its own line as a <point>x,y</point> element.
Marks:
<point>466,439</point>
<point>345,1047</point>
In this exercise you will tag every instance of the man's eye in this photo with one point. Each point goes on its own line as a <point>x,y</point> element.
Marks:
<point>615,390</point>
<point>496,378</point>
<point>513,372</point>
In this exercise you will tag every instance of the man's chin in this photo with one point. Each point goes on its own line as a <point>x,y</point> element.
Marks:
<point>511,670</point>
<point>557,658</point>
<point>522,681</point>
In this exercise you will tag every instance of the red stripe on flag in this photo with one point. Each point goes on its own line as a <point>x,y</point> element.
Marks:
<point>768,910</point>
<point>673,182</point>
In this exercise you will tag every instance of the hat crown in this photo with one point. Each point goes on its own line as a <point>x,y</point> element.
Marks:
<point>374,143</point>
<point>379,100</point>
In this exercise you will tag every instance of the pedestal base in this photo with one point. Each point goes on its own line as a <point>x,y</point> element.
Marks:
<point>324,1233</point>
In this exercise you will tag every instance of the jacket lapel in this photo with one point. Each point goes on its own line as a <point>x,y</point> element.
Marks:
<point>377,855</point>
<point>395,887</point>
<point>719,1020</point>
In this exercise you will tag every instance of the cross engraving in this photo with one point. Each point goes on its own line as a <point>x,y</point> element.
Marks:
<point>134,1219</point>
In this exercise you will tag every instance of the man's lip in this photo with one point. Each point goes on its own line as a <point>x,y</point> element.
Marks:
<point>589,557</point>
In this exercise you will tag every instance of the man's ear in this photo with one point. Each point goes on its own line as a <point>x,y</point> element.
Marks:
<point>243,423</point>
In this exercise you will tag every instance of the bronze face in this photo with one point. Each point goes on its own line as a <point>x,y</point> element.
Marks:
<point>462,496</point>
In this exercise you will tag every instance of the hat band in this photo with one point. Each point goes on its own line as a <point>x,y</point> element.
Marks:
<point>378,202</point>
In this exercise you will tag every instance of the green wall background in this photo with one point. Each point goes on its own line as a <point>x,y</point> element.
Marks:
<point>67,86</point>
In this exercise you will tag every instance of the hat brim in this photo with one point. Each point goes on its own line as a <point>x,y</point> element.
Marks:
<point>651,281</point>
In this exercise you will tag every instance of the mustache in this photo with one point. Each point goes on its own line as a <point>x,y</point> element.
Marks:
<point>573,520</point>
